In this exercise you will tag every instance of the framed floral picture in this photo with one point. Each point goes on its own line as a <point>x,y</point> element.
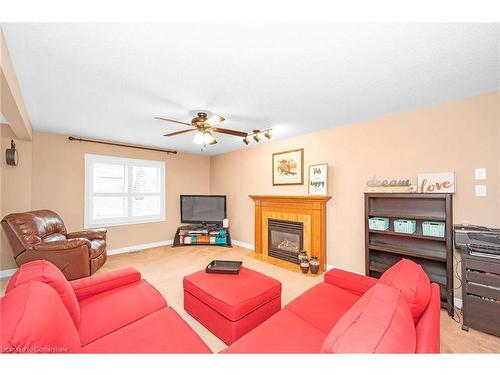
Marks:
<point>288,167</point>
<point>318,179</point>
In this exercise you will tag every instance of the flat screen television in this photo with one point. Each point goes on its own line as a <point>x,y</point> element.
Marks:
<point>205,209</point>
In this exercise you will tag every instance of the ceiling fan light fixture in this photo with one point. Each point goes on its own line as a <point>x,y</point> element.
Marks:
<point>199,138</point>
<point>214,120</point>
<point>269,134</point>
<point>204,128</point>
<point>208,138</point>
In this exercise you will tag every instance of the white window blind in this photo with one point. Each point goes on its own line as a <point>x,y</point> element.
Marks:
<point>121,191</point>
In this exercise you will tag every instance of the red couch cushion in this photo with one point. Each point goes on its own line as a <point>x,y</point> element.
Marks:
<point>322,305</point>
<point>34,320</point>
<point>233,296</point>
<point>46,272</point>
<point>106,312</point>
<point>163,331</point>
<point>89,286</point>
<point>380,322</point>
<point>412,280</point>
<point>428,328</point>
<point>350,281</point>
<point>284,332</point>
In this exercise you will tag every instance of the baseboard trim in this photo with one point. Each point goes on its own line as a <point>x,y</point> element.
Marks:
<point>7,273</point>
<point>131,249</point>
<point>134,248</point>
<point>331,266</point>
<point>245,245</point>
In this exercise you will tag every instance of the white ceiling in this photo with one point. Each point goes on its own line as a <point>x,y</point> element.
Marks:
<point>108,80</point>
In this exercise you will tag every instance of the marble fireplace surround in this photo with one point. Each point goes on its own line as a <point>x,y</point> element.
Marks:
<point>309,210</point>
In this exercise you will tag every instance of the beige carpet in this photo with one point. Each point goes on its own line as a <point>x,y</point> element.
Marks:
<point>164,268</point>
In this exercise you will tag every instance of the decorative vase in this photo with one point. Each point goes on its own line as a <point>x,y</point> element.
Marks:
<point>314,265</point>
<point>303,256</point>
<point>304,266</point>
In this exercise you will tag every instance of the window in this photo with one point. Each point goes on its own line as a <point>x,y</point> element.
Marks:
<point>122,191</point>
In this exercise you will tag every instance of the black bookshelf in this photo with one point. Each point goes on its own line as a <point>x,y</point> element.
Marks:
<point>385,248</point>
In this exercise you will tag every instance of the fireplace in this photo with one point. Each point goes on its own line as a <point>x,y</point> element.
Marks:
<point>309,210</point>
<point>285,239</point>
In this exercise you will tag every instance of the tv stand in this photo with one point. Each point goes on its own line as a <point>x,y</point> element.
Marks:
<point>202,234</point>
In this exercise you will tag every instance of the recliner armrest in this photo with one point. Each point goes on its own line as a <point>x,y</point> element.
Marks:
<point>96,234</point>
<point>72,243</point>
<point>92,285</point>
<point>352,282</point>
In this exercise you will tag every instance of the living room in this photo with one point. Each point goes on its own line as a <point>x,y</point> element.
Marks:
<point>285,188</point>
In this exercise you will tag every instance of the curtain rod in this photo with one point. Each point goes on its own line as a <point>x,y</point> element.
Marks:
<point>122,145</point>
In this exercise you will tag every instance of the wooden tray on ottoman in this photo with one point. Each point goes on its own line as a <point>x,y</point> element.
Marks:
<point>230,267</point>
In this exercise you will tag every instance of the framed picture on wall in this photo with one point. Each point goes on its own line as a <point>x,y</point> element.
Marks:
<point>288,167</point>
<point>318,179</point>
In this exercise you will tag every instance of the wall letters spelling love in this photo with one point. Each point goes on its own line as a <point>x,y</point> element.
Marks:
<point>436,182</point>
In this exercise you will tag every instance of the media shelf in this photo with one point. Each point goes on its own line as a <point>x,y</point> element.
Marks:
<point>202,235</point>
<point>385,248</point>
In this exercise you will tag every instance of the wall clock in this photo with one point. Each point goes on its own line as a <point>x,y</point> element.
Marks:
<point>11,154</point>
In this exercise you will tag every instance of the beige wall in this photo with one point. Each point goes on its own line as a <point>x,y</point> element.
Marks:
<point>457,136</point>
<point>58,184</point>
<point>55,180</point>
<point>15,187</point>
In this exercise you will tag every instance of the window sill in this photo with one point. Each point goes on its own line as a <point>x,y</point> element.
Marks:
<point>107,225</point>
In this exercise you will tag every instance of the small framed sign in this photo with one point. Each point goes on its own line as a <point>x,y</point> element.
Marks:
<point>436,182</point>
<point>318,179</point>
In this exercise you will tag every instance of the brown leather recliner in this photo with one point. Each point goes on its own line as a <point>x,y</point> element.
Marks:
<point>41,234</point>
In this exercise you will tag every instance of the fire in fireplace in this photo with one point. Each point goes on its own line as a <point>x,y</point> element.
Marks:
<point>285,239</point>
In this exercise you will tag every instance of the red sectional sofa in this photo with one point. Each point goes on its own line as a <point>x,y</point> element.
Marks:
<point>117,312</point>
<point>351,313</point>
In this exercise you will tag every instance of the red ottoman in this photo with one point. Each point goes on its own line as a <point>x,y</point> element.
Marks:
<point>231,305</point>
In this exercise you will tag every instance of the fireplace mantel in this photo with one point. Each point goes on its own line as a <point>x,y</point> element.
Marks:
<point>293,198</point>
<point>310,210</point>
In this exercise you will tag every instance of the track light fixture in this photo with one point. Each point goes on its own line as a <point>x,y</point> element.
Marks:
<point>256,135</point>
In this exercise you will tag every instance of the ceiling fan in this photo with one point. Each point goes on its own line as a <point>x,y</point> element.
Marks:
<point>204,126</point>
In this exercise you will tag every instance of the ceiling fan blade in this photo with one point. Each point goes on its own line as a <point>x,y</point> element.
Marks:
<point>236,133</point>
<point>214,120</point>
<point>179,132</point>
<point>178,122</point>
